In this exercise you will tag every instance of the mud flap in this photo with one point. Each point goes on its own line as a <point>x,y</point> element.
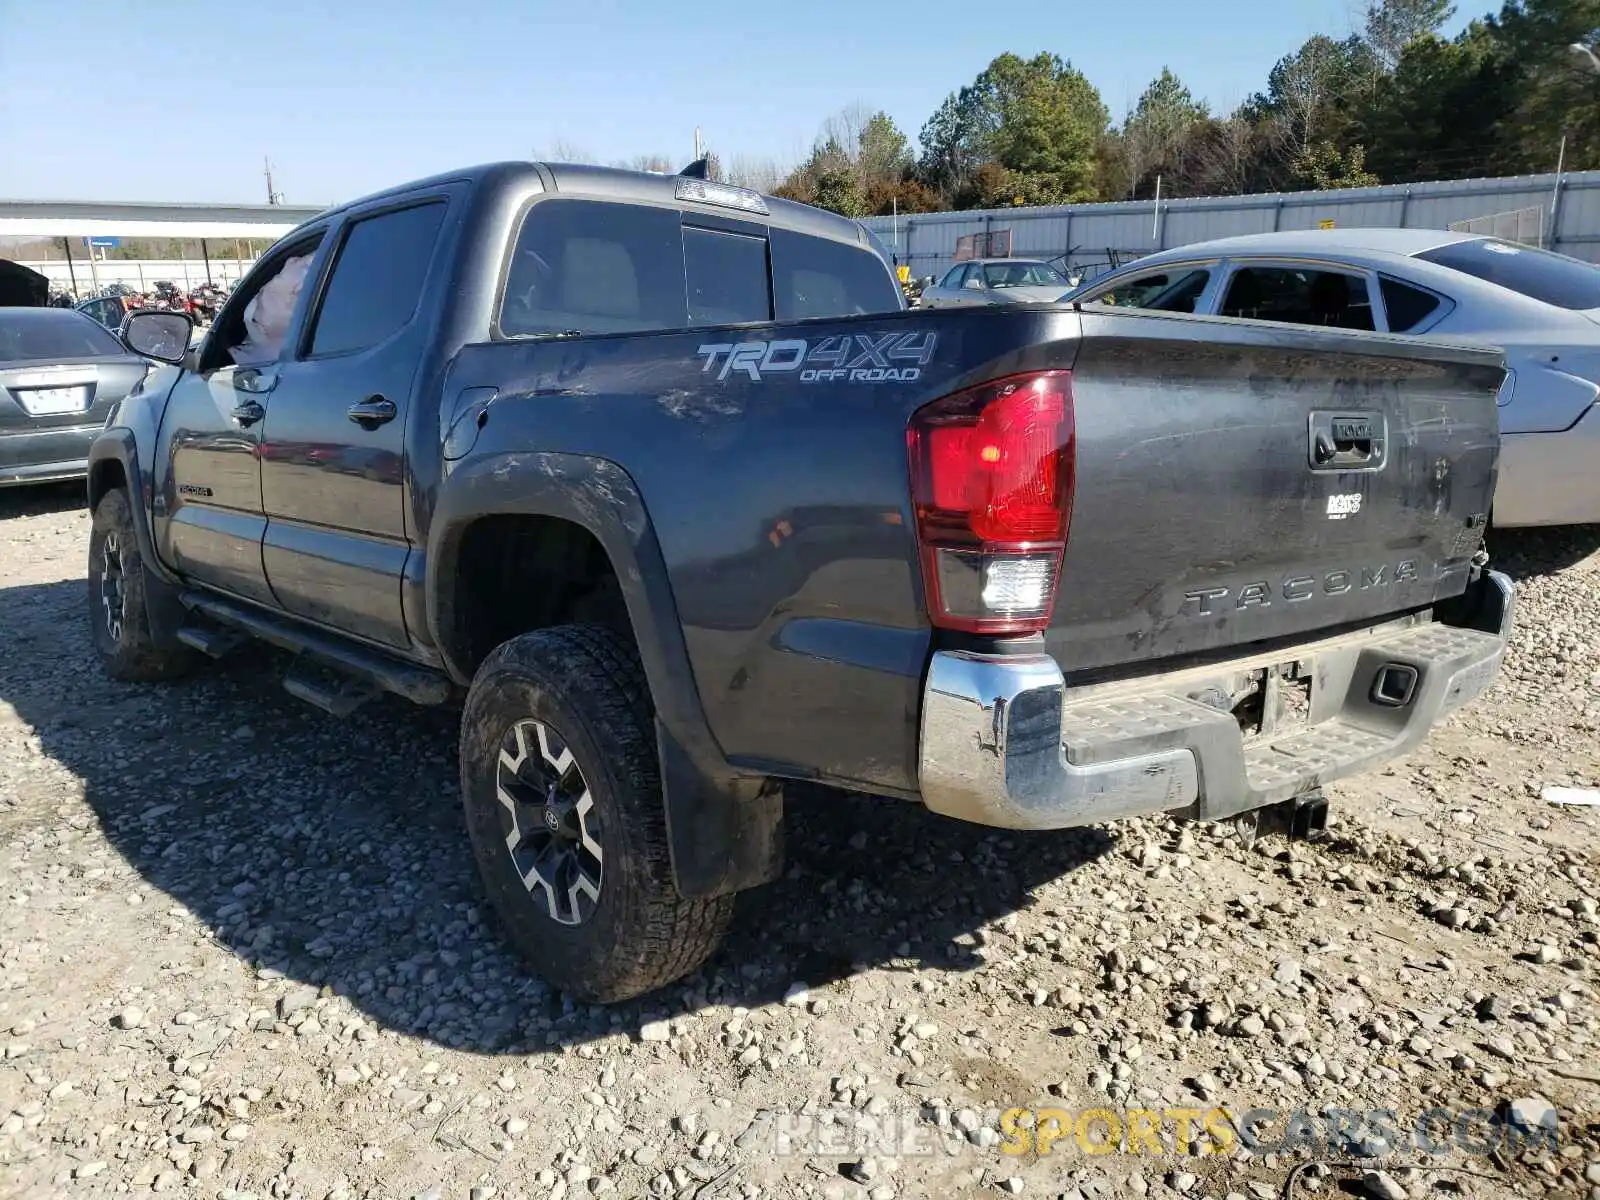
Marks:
<point>164,611</point>
<point>726,835</point>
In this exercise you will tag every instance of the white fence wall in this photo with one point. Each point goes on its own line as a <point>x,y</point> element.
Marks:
<point>1087,235</point>
<point>138,273</point>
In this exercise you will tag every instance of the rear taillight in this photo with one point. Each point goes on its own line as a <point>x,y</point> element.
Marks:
<point>992,473</point>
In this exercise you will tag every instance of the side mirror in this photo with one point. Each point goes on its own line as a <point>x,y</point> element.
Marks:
<point>157,333</point>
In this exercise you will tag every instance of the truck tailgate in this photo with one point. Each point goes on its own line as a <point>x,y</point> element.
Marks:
<point>1239,482</point>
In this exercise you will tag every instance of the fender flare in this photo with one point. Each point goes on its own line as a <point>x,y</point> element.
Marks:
<point>724,827</point>
<point>163,607</point>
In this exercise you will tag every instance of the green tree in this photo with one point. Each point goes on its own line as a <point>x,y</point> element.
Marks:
<point>1155,138</point>
<point>1039,118</point>
<point>858,165</point>
<point>1392,25</point>
<point>1317,91</point>
<point>1556,91</point>
<point>1442,113</point>
<point>1322,166</point>
<point>827,179</point>
<point>1051,122</point>
<point>956,140</point>
<point>883,153</point>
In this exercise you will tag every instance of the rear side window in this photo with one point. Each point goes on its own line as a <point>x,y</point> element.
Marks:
<point>1538,274</point>
<point>816,277</point>
<point>588,266</point>
<point>1406,306</point>
<point>727,277</point>
<point>377,279</point>
<point>1299,296</point>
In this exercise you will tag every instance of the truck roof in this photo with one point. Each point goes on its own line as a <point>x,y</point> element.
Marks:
<point>614,183</point>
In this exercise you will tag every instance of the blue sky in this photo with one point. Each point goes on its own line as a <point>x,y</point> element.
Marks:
<point>180,101</point>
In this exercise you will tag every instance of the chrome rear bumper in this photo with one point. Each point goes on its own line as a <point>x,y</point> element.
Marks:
<point>1005,743</point>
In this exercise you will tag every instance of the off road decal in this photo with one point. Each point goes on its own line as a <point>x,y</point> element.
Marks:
<point>841,358</point>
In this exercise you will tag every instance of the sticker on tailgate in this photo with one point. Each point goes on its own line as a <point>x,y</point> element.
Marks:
<point>1343,505</point>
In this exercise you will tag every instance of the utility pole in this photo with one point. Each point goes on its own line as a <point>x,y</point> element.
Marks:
<point>272,196</point>
<point>1555,195</point>
<point>697,155</point>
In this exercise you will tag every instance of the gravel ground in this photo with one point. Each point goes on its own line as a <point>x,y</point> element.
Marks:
<point>242,953</point>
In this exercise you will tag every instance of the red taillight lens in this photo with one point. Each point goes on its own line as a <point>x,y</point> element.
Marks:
<point>992,482</point>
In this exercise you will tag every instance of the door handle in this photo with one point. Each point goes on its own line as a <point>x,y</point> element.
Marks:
<point>248,413</point>
<point>372,412</point>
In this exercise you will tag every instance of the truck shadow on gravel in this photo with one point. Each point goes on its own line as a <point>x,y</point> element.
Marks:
<point>42,500</point>
<point>1530,553</point>
<point>334,852</point>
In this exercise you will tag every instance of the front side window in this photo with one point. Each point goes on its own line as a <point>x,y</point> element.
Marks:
<point>952,277</point>
<point>377,279</point>
<point>1299,296</point>
<point>727,277</point>
<point>817,277</point>
<point>1538,274</point>
<point>592,266</point>
<point>1177,290</point>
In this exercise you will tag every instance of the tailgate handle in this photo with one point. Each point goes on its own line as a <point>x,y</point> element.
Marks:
<point>1352,436</point>
<point>1346,441</point>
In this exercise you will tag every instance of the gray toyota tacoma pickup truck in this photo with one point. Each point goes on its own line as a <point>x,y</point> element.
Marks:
<point>661,483</point>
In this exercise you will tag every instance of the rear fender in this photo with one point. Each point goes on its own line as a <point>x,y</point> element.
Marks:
<point>724,826</point>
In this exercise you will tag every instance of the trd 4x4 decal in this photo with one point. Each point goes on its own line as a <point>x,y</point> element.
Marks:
<point>842,358</point>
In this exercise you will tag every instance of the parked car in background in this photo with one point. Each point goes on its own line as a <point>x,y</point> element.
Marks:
<point>106,310</point>
<point>60,375</point>
<point>997,281</point>
<point>1542,309</point>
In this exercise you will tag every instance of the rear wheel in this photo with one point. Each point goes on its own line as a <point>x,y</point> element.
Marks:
<point>562,789</point>
<point>118,604</point>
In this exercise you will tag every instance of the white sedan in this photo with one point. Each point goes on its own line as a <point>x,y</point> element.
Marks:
<point>1542,309</point>
<point>996,281</point>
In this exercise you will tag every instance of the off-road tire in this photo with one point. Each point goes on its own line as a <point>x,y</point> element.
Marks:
<point>586,684</point>
<point>121,627</point>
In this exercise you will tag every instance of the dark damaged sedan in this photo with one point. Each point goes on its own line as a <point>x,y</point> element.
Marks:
<point>60,374</point>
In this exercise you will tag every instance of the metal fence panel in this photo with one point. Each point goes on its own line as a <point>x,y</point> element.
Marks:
<point>1090,236</point>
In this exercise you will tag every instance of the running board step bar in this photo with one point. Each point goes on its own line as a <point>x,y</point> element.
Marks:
<point>213,643</point>
<point>339,696</point>
<point>370,667</point>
